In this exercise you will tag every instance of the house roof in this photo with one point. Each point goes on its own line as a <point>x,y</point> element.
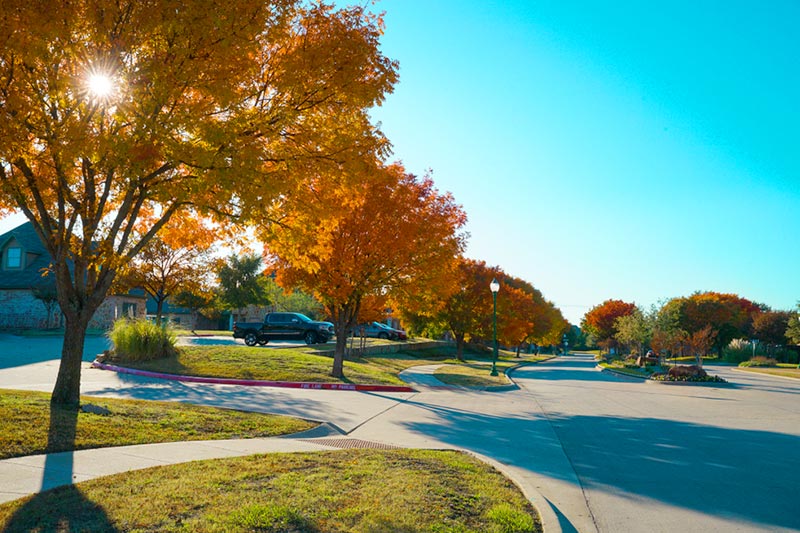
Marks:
<point>37,260</point>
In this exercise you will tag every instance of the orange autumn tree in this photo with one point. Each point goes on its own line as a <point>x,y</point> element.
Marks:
<point>117,115</point>
<point>729,315</point>
<point>467,311</point>
<point>179,261</point>
<point>515,315</point>
<point>381,232</point>
<point>530,317</point>
<point>600,320</point>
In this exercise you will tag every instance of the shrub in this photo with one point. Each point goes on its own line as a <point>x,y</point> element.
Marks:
<point>759,361</point>
<point>737,351</point>
<point>693,374</point>
<point>140,340</point>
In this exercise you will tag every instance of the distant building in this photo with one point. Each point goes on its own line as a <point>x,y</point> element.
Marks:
<point>25,274</point>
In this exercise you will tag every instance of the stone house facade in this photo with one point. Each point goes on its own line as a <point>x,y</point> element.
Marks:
<point>27,292</point>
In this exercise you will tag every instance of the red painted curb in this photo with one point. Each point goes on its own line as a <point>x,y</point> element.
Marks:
<point>254,383</point>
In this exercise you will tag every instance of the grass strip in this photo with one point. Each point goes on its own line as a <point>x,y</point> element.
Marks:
<point>338,491</point>
<point>300,364</point>
<point>28,426</point>
<point>473,375</point>
<point>622,369</point>
<point>775,371</point>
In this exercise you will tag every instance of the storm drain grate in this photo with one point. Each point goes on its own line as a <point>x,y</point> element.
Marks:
<point>352,443</point>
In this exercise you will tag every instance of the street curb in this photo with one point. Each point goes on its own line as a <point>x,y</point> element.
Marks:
<point>621,374</point>
<point>253,382</point>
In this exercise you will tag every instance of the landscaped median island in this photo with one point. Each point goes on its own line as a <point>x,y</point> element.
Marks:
<point>304,364</point>
<point>28,426</point>
<point>661,374</point>
<point>337,491</point>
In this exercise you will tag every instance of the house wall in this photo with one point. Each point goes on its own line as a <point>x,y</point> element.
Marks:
<point>115,307</point>
<point>19,309</point>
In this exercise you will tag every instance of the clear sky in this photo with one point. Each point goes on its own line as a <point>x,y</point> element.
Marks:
<point>628,149</point>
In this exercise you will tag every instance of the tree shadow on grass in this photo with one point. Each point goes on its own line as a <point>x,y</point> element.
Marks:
<point>61,506</point>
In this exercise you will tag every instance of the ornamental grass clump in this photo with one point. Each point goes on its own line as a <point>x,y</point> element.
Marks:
<point>760,361</point>
<point>141,340</point>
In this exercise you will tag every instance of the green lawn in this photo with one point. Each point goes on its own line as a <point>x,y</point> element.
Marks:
<point>366,491</point>
<point>26,420</point>
<point>302,364</point>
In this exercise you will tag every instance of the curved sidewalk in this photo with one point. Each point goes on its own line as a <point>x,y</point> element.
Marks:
<point>22,476</point>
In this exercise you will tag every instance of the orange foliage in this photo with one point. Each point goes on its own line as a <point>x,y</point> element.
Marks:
<point>220,107</point>
<point>599,320</point>
<point>386,233</point>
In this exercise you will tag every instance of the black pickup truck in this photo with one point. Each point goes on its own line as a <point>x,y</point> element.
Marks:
<point>283,326</point>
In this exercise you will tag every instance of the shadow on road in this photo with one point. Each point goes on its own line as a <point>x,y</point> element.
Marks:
<point>730,474</point>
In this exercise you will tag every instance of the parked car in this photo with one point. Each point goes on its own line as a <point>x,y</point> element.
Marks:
<point>283,326</point>
<point>379,331</point>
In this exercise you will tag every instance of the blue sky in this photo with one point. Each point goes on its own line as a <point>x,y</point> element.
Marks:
<point>609,149</point>
<point>631,150</point>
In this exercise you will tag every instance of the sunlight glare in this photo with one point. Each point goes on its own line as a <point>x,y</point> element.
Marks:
<point>100,85</point>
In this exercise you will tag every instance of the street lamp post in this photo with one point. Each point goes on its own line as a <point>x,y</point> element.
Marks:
<point>494,286</point>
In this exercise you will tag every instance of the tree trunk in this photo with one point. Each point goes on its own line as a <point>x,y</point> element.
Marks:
<point>338,355</point>
<point>343,321</point>
<point>518,345</point>
<point>460,347</point>
<point>159,309</point>
<point>67,390</point>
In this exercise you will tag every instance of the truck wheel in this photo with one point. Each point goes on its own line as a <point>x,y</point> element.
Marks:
<point>251,339</point>
<point>310,337</point>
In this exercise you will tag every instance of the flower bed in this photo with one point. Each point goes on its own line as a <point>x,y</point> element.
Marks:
<point>686,374</point>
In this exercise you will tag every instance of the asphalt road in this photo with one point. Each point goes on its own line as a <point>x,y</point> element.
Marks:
<point>652,457</point>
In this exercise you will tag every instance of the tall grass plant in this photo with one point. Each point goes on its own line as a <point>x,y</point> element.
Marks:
<point>141,340</point>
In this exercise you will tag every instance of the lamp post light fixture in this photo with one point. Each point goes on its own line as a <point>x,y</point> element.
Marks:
<point>494,286</point>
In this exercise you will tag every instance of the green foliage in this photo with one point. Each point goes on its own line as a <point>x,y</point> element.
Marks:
<point>241,282</point>
<point>737,351</point>
<point>140,340</point>
<point>759,361</point>
<point>635,329</point>
<point>295,301</point>
<point>793,329</point>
